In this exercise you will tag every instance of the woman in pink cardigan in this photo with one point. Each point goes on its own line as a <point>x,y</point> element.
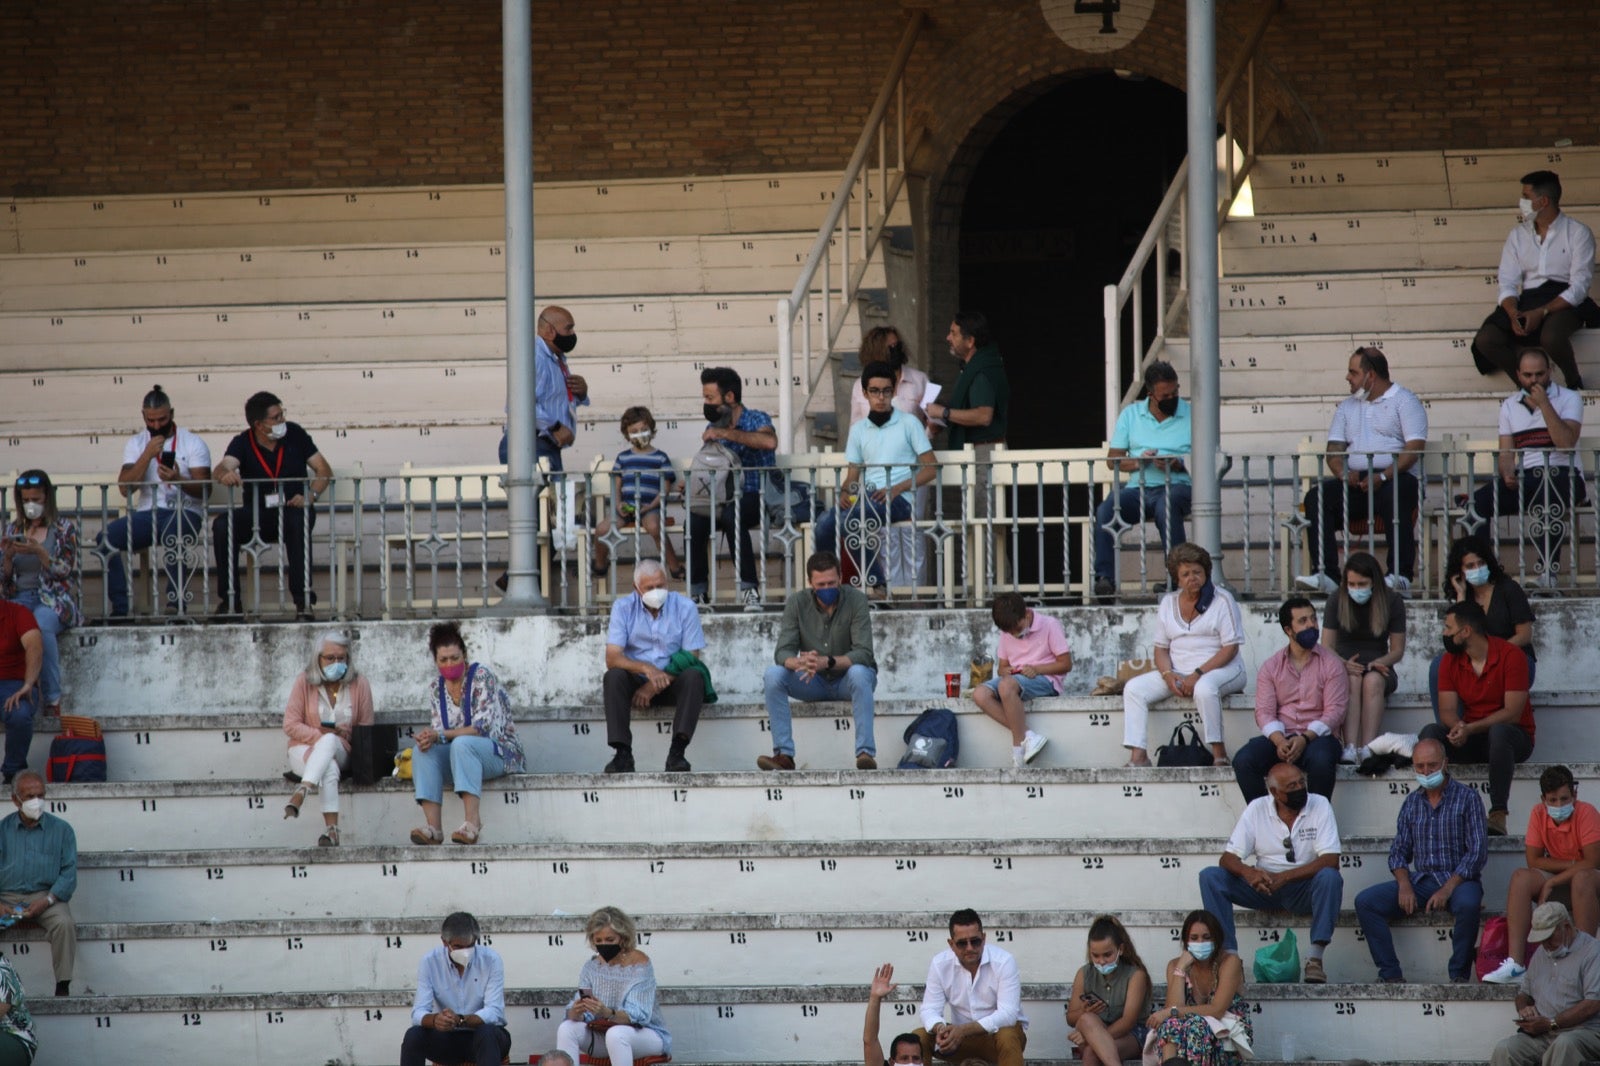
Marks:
<point>327,701</point>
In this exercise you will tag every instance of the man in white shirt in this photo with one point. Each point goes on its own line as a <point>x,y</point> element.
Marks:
<point>1546,267</point>
<point>168,467</point>
<point>981,986</point>
<point>1377,436</point>
<point>1292,837</point>
<point>1539,426</point>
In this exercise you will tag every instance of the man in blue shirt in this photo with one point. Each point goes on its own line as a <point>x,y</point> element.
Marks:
<point>648,631</point>
<point>459,1013</point>
<point>749,434</point>
<point>1437,860</point>
<point>1149,449</point>
<point>558,392</point>
<point>39,871</point>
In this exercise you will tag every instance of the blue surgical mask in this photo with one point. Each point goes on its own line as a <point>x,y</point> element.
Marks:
<point>826,597</point>
<point>1359,595</point>
<point>1559,814</point>
<point>1107,968</point>
<point>1201,949</point>
<point>1478,575</point>
<point>334,672</point>
<point>1306,638</point>
<point>1433,780</point>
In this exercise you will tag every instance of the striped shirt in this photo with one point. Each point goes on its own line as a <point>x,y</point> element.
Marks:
<point>641,476</point>
<point>1445,840</point>
<point>43,858</point>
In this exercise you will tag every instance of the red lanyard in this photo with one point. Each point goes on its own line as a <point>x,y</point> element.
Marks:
<point>263,460</point>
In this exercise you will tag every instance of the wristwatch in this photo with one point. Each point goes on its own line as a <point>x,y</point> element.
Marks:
<point>830,662</point>
<point>1199,671</point>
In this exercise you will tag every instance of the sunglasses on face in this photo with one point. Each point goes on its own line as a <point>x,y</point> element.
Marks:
<point>968,942</point>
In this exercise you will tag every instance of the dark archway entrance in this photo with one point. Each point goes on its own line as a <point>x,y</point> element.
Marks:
<point>1056,204</point>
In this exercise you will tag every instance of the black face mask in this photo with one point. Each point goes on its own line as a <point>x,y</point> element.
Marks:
<point>717,413</point>
<point>897,354</point>
<point>1168,407</point>
<point>878,418</point>
<point>608,951</point>
<point>565,342</point>
<point>1452,646</point>
<point>1295,799</point>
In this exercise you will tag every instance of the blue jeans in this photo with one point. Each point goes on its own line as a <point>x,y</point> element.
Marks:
<point>1166,505</point>
<point>50,628</point>
<point>1320,761</point>
<point>858,518</point>
<point>1376,906</point>
<point>469,762</point>
<point>135,533</point>
<point>543,448</point>
<point>1029,688</point>
<point>19,727</point>
<point>855,684</point>
<point>1319,897</point>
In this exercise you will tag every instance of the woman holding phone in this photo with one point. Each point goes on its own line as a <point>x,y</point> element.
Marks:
<point>39,569</point>
<point>1110,997</point>
<point>615,1006</point>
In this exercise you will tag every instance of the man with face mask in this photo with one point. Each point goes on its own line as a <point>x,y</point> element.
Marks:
<point>459,1013</point>
<point>276,475</point>
<point>1293,840</point>
<point>750,435</point>
<point>1148,452</point>
<point>1485,713</point>
<point>1538,467</point>
<point>558,392</point>
<point>39,872</point>
<point>169,467</point>
<point>1546,268</point>
<point>824,653</point>
<point>1377,436</point>
<point>1437,861</point>
<point>1302,691</point>
<point>653,634</point>
<point>1558,1001</point>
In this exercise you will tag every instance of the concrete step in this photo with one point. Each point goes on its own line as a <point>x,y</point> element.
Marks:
<point>690,950</point>
<point>1030,873</point>
<point>723,1025</point>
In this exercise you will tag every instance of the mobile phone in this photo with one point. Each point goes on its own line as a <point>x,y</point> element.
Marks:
<point>585,993</point>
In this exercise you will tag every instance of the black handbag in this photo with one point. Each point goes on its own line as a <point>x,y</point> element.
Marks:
<point>372,751</point>
<point>1182,750</point>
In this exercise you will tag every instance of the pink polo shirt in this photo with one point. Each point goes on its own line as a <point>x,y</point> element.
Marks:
<point>1293,700</point>
<point>1040,644</point>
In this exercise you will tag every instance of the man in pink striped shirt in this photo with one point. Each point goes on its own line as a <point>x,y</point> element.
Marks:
<point>1301,695</point>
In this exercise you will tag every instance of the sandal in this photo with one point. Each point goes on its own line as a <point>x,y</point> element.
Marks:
<point>427,834</point>
<point>329,837</point>
<point>1221,760</point>
<point>677,572</point>
<point>292,808</point>
<point>467,834</point>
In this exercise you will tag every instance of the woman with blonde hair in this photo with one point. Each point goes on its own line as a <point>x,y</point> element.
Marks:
<point>328,700</point>
<point>883,344</point>
<point>615,1006</point>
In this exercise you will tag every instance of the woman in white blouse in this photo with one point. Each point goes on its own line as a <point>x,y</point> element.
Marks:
<point>328,700</point>
<point>1198,638</point>
<point>883,343</point>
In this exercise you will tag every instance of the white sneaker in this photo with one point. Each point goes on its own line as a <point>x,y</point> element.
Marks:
<point>1399,584</point>
<point>751,598</point>
<point>1032,744</point>
<point>1350,754</point>
<point>1507,973</point>
<point>1017,760</point>
<point>1316,583</point>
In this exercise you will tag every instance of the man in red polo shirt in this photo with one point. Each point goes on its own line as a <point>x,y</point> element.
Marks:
<point>1485,714</point>
<point>21,655</point>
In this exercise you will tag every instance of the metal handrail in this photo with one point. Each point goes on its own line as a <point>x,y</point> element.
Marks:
<point>871,226</point>
<point>1153,245</point>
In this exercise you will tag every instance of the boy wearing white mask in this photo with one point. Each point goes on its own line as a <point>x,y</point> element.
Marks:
<point>648,631</point>
<point>642,475</point>
<point>459,1013</point>
<point>39,872</point>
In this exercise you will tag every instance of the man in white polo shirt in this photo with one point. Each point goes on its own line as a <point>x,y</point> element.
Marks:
<point>982,987</point>
<point>1376,438</point>
<point>1539,426</point>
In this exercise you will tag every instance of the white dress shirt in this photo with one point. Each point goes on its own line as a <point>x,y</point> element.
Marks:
<point>1528,429</point>
<point>1260,833</point>
<point>992,998</point>
<point>1566,254</point>
<point>1381,427</point>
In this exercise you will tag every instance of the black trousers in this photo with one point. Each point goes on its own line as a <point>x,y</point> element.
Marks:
<point>687,692</point>
<point>1334,503</point>
<point>735,530</point>
<point>1497,348</point>
<point>288,526</point>
<point>484,1046</point>
<point>1502,747</point>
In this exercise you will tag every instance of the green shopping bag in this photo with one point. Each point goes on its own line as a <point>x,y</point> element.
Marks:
<point>1279,963</point>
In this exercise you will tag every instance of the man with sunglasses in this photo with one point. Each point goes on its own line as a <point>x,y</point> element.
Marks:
<point>276,475</point>
<point>983,989</point>
<point>1293,841</point>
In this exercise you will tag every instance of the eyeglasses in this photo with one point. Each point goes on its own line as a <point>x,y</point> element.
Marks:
<point>968,942</point>
<point>880,392</point>
<point>29,480</point>
<point>1288,843</point>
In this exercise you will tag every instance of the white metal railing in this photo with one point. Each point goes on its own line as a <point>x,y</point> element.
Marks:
<point>1151,253</point>
<point>829,302</point>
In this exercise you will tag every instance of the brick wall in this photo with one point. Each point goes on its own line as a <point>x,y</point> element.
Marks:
<point>179,96</point>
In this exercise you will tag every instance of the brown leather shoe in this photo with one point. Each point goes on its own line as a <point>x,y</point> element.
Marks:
<point>1497,823</point>
<point>1314,973</point>
<point>776,761</point>
<point>865,762</point>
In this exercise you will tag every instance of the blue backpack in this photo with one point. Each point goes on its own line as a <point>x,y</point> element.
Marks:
<point>931,741</point>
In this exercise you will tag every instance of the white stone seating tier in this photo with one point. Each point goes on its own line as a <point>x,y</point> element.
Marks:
<point>731,204</point>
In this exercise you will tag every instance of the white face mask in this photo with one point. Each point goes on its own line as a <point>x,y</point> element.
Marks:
<point>642,439</point>
<point>33,511</point>
<point>654,598</point>
<point>462,957</point>
<point>278,431</point>
<point>1526,207</point>
<point>32,808</point>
